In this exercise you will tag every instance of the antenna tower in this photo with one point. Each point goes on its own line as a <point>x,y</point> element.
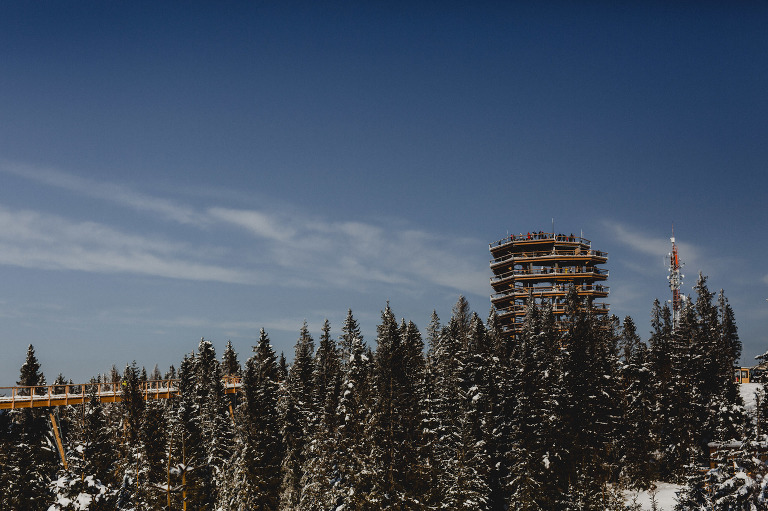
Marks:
<point>675,281</point>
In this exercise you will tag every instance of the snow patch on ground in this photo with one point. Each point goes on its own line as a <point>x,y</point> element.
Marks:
<point>747,391</point>
<point>666,497</point>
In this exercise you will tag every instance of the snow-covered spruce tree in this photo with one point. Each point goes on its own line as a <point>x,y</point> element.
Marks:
<point>589,401</point>
<point>636,443</point>
<point>726,417</point>
<point>740,477</point>
<point>153,473</point>
<point>32,456</point>
<point>99,456</point>
<point>729,351</point>
<point>6,444</point>
<point>501,402</point>
<point>187,449</point>
<point>297,416</point>
<point>445,402</point>
<point>411,399</point>
<point>394,426</point>
<point>538,474</point>
<point>350,331</point>
<point>252,479</point>
<point>696,494</point>
<point>430,423</point>
<point>466,479</point>
<point>326,380</point>
<point>715,368</point>
<point>216,431</point>
<point>702,396</point>
<point>686,398</point>
<point>131,459</point>
<point>230,366</point>
<point>282,368</point>
<point>321,451</point>
<point>156,374</point>
<point>354,479</point>
<point>669,422</point>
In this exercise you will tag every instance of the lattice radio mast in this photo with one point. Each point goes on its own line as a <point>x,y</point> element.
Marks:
<point>675,282</point>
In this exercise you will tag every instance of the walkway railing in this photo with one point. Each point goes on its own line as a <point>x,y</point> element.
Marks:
<point>546,271</point>
<point>535,236</point>
<point>557,308</point>
<point>106,392</point>
<point>552,254</point>
<point>584,289</point>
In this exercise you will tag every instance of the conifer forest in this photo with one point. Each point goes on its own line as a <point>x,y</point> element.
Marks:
<point>566,416</point>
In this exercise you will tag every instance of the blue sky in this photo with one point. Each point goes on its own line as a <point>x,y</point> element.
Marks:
<point>178,170</point>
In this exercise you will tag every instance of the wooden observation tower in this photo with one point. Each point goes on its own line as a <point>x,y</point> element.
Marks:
<point>543,267</point>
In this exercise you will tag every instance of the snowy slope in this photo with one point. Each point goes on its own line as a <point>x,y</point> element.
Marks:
<point>666,494</point>
<point>747,391</point>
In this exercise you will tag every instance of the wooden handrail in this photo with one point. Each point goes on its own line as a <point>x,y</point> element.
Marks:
<point>583,289</point>
<point>590,270</point>
<point>107,392</point>
<point>535,236</point>
<point>552,254</point>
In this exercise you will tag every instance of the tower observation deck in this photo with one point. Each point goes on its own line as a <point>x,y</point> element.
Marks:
<point>543,267</point>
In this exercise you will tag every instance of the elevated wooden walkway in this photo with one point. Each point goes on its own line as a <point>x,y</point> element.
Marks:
<point>109,392</point>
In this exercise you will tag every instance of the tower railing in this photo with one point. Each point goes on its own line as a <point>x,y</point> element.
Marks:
<point>536,236</point>
<point>551,254</point>
<point>557,308</point>
<point>546,271</point>
<point>549,290</point>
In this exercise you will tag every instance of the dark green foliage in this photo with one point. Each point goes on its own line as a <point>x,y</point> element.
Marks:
<point>32,458</point>
<point>321,450</point>
<point>460,405</point>
<point>537,458</point>
<point>252,479</point>
<point>444,404</point>
<point>353,479</point>
<point>635,444</point>
<point>562,417</point>
<point>229,363</point>
<point>350,331</point>
<point>398,374</point>
<point>30,374</point>
<point>154,455</point>
<point>100,451</point>
<point>297,412</point>
<point>589,408</point>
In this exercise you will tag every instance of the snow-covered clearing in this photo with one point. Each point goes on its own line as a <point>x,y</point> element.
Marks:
<point>666,495</point>
<point>747,391</point>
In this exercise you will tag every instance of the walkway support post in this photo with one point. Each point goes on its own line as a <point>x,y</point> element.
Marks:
<point>58,440</point>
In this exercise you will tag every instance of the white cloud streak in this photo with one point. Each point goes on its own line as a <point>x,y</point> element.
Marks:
<point>346,253</point>
<point>294,250</point>
<point>657,247</point>
<point>31,239</point>
<point>118,194</point>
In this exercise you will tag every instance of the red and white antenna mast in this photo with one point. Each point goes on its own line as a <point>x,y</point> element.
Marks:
<point>675,281</point>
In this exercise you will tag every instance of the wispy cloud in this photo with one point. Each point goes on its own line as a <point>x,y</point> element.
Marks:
<point>294,249</point>
<point>652,245</point>
<point>112,192</point>
<point>352,252</point>
<point>36,240</point>
<point>258,223</point>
